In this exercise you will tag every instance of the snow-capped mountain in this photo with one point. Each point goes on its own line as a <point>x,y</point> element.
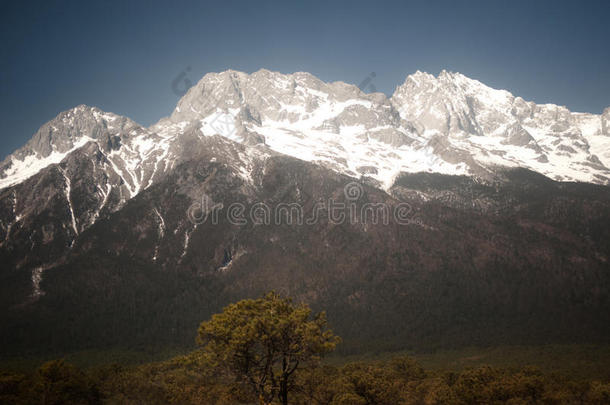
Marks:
<point>97,244</point>
<point>446,124</point>
<point>132,152</point>
<point>465,120</point>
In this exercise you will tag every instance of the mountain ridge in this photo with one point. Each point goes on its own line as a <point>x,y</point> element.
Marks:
<point>429,124</point>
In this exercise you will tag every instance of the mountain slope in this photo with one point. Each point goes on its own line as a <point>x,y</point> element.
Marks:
<point>523,261</point>
<point>103,242</point>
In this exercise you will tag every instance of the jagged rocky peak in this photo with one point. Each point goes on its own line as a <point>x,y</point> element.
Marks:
<point>74,129</point>
<point>296,114</point>
<point>447,123</point>
<point>263,94</point>
<point>69,127</point>
<point>450,84</point>
<point>450,103</point>
<point>493,126</point>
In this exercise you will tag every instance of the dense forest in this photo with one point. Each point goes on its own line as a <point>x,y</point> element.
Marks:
<point>400,380</point>
<point>269,351</point>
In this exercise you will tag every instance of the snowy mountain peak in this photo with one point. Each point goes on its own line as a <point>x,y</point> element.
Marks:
<point>447,124</point>
<point>334,124</point>
<point>493,127</point>
<point>68,131</point>
<point>75,126</point>
<point>124,142</point>
<point>264,91</point>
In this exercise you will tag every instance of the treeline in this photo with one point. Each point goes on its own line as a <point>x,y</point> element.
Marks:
<point>191,380</point>
<point>268,351</point>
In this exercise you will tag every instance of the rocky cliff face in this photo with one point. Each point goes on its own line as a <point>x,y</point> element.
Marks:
<point>104,241</point>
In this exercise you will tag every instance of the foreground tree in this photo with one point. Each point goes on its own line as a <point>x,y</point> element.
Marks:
<point>265,342</point>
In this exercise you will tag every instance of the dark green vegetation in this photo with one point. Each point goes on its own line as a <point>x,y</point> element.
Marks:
<point>268,351</point>
<point>399,380</point>
<point>590,362</point>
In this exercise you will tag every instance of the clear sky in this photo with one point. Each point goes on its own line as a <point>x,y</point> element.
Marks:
<point>123,56</point>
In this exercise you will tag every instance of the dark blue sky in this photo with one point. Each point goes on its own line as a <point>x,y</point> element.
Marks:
<point>123,56</point>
